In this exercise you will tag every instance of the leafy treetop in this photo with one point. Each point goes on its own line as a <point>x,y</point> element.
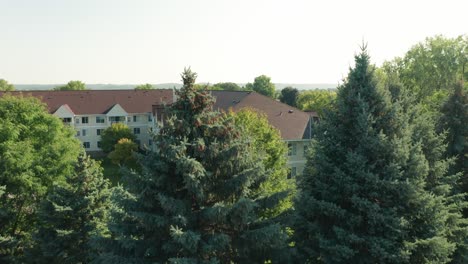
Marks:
<point>72,86</point>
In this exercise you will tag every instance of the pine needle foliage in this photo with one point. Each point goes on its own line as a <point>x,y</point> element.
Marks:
<point>194,201</point>
<point>72,215</point>
<point>370,192</point>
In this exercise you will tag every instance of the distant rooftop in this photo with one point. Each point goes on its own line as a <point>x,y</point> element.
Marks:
<point>290,121</point>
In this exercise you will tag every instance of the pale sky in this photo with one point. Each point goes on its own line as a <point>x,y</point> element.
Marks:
<point>151,41</point>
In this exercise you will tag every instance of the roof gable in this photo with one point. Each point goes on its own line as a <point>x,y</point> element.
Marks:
<point>116,110</point>
<point>64,111</point>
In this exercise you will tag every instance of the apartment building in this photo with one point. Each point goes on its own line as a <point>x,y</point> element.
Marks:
<point>294,125</point>
<point>90,112</point>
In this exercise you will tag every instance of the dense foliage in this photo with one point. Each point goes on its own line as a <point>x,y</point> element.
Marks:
<point>196,200</point>
<point>318,101</point>
<point>268,145</point>
<point>5,86</point>
<point>72,86</point>
<point>36,150</point>
<point>289,96</point>
<point>111,136</point>
<point>72,215</point>
<point>262,84</point>
<point>454,121</point>
<point>145,86</point>
<point>124,152</point>
<point>373,191</point>
<point>226,86</point>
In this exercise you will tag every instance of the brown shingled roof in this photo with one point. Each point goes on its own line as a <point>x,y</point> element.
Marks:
<point>291,122</point>
<point>100,101</point>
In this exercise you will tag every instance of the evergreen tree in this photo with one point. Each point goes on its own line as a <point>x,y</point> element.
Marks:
<point>455,121</point>
<point>194,201</point>
<point>72,214</point>
<point>369,193</point>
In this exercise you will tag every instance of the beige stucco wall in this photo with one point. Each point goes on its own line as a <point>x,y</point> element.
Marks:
<point>296,155</point>
<point>143,122</point>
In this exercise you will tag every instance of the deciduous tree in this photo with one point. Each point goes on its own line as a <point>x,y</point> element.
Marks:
<point>289,95</point>
<point>227,86</point>
<point>111,136</point>
<point>36,150</point>
<point>5,86</point>
<point>72,86</point>
<point>267,144</point>
<point>263,85</point>
<point>318,101</point>
<point>146,86</point>
<point>123,153</point>
<point>433,65</point>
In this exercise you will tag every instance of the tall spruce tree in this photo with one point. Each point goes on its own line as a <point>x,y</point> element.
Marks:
<point>72,215</point>
<point>455,121</point>
<point>194,202</point>
<point>369,194</point>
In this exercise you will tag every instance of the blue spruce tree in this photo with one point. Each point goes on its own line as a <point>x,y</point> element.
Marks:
<point>374,190</point>
<point>193,201</point>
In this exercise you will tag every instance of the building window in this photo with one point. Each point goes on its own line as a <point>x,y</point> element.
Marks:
<point>99,144</point>
<point>150,142</point>
<point>99,131</point>
<point>292,172</point>
<point>138,142</point>
<point>129,119</point>
<point>77,120</point>
<point>136,130</point>
<point>135,118</point>
<point>66,120</point>
<point>292,149</point>
<point>78,133</point>
<point>150,118</point>
<point>99,119</point>
<point>306,150</point>
<point>84,120</point>
<point>86,145</point>
<point>83,132</point>
<point>116,119</point>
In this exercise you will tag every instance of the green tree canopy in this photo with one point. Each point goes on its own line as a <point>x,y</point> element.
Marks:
<point>263,85</point>
<point>375,188</point>
<point>289,95</point>
<point>269,146</point>
<point>433,65</point>
<point>72,215</point>
<point>146,86</point>
<point>36,150</point>
<point>5,86</point>
<point>227,86</point>
<point>454,121</point>
<point>194,201</point>
<point>319,101</point>
<point>111,136</point>
<point>71,86</point>
<point>123,153</point>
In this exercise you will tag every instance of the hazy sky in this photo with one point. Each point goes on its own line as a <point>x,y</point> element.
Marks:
<point>151,41</point>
